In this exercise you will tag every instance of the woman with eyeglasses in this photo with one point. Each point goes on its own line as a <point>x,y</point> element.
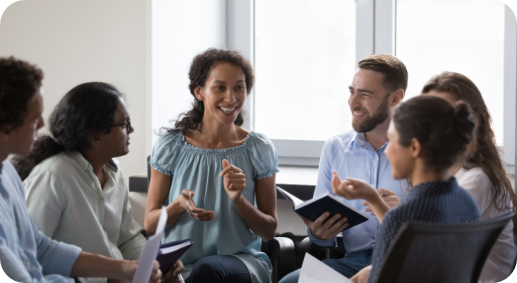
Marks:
<point>75,190</point>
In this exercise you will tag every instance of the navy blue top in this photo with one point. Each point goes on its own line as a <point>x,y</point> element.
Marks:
<point>433,202</point>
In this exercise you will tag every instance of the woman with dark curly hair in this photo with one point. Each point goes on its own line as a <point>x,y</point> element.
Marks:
<point>75,190</point>
<point>216,179</point>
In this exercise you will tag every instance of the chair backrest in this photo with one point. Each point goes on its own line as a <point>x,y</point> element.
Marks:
<point>423,252</point>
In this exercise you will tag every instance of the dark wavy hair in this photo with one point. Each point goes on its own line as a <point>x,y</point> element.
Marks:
<point>444,131</point>
<point>86,109</point>
<point>19,81</point>
<point>485,153</point>
<point>200,69</point>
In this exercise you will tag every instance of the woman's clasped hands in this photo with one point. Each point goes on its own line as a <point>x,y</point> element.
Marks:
<point>234,181</point>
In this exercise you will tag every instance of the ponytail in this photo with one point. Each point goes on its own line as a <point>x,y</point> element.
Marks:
<point>464,122</point>
<point>44,147</point>
<point>444,131</point>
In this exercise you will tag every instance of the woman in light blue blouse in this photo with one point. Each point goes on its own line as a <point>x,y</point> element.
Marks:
<point>216,179</point>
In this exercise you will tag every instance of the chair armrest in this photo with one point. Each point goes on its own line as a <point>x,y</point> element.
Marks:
<point>319,252</point>
<point>282,253</point>
<point>303,248</point>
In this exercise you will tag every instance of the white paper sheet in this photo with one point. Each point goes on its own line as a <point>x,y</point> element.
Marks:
<point>150,251</point>
<point>315,271</point>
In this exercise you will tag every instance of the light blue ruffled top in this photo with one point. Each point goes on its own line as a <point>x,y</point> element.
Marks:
<point>197,169</point>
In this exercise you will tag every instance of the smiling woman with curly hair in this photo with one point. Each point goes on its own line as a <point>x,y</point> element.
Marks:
<point>216,179</point>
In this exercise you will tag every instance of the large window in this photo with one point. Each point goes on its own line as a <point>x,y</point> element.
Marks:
<point>467,37</point>
<point>304,61</point>
<point>305,53</point>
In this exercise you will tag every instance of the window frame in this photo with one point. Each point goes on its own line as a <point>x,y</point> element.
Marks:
<point>375,33</point>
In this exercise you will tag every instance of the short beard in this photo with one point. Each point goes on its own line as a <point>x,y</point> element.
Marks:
<point>378,118</point>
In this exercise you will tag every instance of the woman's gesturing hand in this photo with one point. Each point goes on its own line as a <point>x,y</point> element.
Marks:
<point>351,188</point>
<point>389,197</point>
<point>234,180</point>
<point>186,202</point>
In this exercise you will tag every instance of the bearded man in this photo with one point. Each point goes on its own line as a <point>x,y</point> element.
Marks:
<point>378,86</point>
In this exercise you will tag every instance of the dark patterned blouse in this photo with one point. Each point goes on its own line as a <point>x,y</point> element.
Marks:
<point>433,202</point>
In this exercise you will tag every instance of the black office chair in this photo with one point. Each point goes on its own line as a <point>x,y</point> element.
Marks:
<point>280,250</point>
<point>441,252</point>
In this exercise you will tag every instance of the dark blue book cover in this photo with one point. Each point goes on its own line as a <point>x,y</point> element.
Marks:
<point>314,208</point>
<point>170,252</point>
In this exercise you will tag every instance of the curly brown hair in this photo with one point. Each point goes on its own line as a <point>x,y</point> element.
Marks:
<point>200,69</point>
<point>19,81</point>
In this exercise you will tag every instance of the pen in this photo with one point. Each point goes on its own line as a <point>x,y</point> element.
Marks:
<point>179,276</point>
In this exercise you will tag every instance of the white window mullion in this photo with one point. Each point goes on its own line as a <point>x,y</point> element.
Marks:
<point>240,37</point>
<point>385,12</point>
<point>510,87</point>
<point>365,28</point>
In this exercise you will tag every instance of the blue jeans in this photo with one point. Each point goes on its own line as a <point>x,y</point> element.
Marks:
<point>219,269</point>
<point>348,266</point>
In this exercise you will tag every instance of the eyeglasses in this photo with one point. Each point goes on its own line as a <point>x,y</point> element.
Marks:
<point>126,124</point>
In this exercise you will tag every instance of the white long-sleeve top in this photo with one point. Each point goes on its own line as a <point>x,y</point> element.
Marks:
<point>500,260</point>
<point>67,203</point>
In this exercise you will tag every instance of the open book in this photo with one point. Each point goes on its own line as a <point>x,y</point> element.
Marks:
<point>314,208</point>
<point>169,253</point>
<point>315,271</point>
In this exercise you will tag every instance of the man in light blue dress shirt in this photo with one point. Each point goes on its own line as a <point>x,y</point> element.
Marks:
<point>378,86</point>
<point>27,255</point>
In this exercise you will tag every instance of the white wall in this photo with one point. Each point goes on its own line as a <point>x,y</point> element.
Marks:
<point>80,41</point>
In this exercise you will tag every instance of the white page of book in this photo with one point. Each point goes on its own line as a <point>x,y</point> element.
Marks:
<point>315,271</point>
<point>292,199</point>
<point>174,248</point>
<point>150,251</point>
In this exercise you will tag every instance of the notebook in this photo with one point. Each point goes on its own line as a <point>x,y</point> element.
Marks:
<point>169,253</point>
<point>314,208</point>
